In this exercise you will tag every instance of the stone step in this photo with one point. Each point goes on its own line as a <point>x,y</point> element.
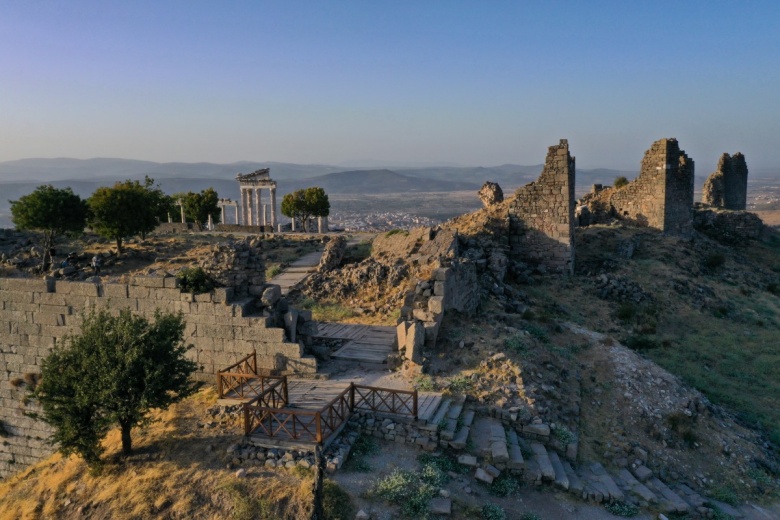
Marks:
<point>516,462</point>
<point>543,460</point>
<point>576,485</point>
<point>670,501</point>
<point>461,439</point>
<point>451,420</point>
<point>561,479</point>
<point>636,488</point>
<point>429,408</point>
<point>455,409</point>
<point>499,453</point>
<point>693,499</point>
<point>468,417</point>
<point>613,492</point>
<point>438,417</point>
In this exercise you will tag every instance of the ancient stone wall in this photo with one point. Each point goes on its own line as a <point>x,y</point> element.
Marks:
<point>541,227</point>
<point>35,315</point>
<point>729,227</point>
<point>727,186</point>
<point>662,196</point>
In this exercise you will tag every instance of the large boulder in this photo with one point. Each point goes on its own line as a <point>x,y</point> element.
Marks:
<point>491,194</point>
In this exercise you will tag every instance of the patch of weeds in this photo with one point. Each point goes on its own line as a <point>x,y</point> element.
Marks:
<point>336,503</point>
<point>357,253</point>
<point>726,495</point>
<point>425,383</point>
<point>641,342</point>
<point>526,452</point>
<point>303,473</point>
<point>504,486</point>
<point>530,516</point>
<point>515,344</point>
<point>328,311</point>
<point>364,446</point>
<point>563,435</point>
<point>245,505</point>
<point>396,232</point>
<point>760,477</point>
<point>773,288</point>
<point>528,315</point>
<point>273,270</point>
<point>492,511</point>
<point>444,463</point>
<point>714,261</point>
<point>618,508</point>
<point>194,280</point>
<point>459,384</point>
<point>538,332</point>
<point>683,426</point>
<point>620,182</point>
<point>412,490</point>
<point>717,514</point>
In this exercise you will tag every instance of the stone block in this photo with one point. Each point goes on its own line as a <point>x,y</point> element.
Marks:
<point>148,281</point>
<point>415,339</point>
<point>436,304</point>
<point>115,290</point>
<point>223,294</point>
<point>483,476</point>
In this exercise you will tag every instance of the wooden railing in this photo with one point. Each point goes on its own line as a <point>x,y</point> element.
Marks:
<point>268,414</point>
<point>237,376</point>
<point>384,400</point>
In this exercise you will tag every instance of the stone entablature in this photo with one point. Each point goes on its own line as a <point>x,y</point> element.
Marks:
<point>727,186</point>
<point>253,211</point>
<point>36,314</point>
<point>541,217</point>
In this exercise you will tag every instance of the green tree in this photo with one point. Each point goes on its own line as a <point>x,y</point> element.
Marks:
<point>198,206</point>
<point>304,204</point>
<point>50,211</point>
<point>128,208</point>
<point>620,182</point>
<point>114,373</point>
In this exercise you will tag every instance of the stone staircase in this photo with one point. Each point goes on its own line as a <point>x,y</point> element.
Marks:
<point>491,448</point>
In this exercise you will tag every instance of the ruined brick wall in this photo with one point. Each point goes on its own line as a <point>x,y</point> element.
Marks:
<point>661,196</point>
<point>727,186</point>
<point>541,217</point>
<point>36,314</point>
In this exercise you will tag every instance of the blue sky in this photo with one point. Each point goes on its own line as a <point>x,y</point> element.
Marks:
<point>472,83</point>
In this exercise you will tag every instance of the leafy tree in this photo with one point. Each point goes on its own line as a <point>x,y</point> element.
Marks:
<point>113,373</point>
<point>198,206</point>
<point>620,182</point>
<point>304,204</point>
<point>50,211</point>
<point>129,208</point>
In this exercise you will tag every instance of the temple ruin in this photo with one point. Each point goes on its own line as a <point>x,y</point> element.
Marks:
<point>727,186</point>
<point>541,218</point>
<point>253,211</point>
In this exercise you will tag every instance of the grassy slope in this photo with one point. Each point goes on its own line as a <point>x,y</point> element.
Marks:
<point>717,328</point>
<point>173,474</point>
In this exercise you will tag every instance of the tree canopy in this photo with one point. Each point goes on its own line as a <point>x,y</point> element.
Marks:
<point>126,209</point>
<point>198,206</point>
<point>620,182</point>
<point>304,204</point>
<point>114,373</point>
<point>50,211</point>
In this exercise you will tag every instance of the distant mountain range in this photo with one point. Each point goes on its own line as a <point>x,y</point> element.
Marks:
<point>18,178</point>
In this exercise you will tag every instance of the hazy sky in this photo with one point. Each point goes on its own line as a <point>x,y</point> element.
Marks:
<point>398,81</point>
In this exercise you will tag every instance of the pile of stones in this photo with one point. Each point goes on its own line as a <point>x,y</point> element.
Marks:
<point>237,264</point>
<point>617,288</point>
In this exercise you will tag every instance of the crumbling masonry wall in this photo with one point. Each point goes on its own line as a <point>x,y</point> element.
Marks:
<point>541,217</point>
<point>36,314</point>
<point>661,196</point>
<point>727,186</point>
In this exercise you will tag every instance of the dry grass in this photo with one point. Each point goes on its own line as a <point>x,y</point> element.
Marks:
<point>173,474</point>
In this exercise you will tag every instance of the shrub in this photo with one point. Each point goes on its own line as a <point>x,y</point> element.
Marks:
<point>504,486</point>
<point>537,332</point>
<point>620,182</point>
<point>425,383</point>
<point>515,344</point>
<point>194,280</point>
<point>638,342</point>
<point>412,490</point>
<point>459,384</point>
<point>530,516</point>
<point>396,232</point>
<point>492,511</point>
<point>714,260</point>
<point>621,509</point>
<point>563,435</point>
<point>626,312</point>
<point>773,288</point>
<point>364,446</point>
<point>336,503</point>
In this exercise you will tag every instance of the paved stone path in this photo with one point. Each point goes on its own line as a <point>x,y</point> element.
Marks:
<point>297,271</point>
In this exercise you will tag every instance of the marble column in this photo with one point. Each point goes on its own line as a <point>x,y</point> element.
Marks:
<point>243,208</point>
<point>257,207</point>
<point>273,207</point>
<point>181,207</point>
<point>236,208</point>
<point>210,224</point>
<point>222,215</point>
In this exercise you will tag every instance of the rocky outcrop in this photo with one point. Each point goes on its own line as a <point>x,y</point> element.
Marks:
<point>237,264</point>
<point>491,194</point>
<point>727,227</point>
<point>333,254</point>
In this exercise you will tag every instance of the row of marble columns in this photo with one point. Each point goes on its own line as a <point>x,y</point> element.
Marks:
<point>253,212</point>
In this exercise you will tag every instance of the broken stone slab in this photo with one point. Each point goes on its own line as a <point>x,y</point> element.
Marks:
<point>642,473</point>
<point>467,460</point>
<point>537,429</point>
<point>492,471</point>
<point>271,295</point>
<point>291,324</point>
<point>441,506</point>
<point>483,476</point>
<point>561,479</point>
<point>543,460</point>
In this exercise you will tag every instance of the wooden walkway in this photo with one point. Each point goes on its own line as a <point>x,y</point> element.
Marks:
<point>365,343</point>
